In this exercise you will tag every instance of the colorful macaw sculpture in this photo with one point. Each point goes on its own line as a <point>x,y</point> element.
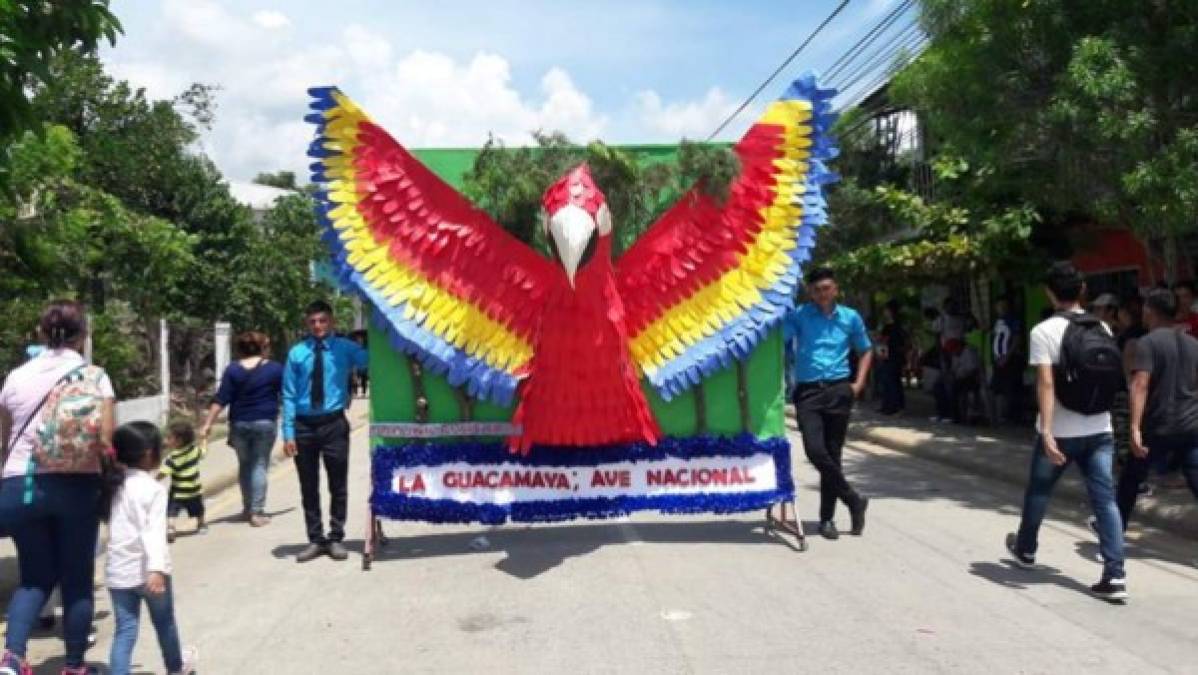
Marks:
<point>573,337</point>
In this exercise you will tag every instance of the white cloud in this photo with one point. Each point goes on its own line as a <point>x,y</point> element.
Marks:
<point>424,98</point>
<point>271,20</point>
<point>691,119</point>
<point>366,48</point>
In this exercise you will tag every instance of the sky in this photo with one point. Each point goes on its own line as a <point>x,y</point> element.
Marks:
<point>447,74</point>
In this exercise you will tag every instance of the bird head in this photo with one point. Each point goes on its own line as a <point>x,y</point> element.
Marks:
<point>574,209</point>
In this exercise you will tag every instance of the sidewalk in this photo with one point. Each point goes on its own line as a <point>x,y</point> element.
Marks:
<point>1002,453</point>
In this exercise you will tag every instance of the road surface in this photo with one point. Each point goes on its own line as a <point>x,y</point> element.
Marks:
<point>929,588</point>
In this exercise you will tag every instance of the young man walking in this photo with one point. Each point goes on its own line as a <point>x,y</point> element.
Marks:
<point>1164,401</point>
<point>1078,371</point>
<point>315,396</point>
<point>823,332</point>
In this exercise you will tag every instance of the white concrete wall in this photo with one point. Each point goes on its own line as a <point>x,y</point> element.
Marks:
<point>147,409</point>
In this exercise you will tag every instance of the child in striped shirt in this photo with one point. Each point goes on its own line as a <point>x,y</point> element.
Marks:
<point>183,466</point>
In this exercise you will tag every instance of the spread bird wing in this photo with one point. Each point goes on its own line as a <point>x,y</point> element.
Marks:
<point>708,280</point>
<point>450,286</point>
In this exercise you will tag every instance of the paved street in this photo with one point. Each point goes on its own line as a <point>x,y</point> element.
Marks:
<point>927,589</point>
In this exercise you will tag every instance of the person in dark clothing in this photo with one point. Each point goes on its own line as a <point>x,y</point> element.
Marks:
<point>1164,401</point>
<point>1010,360</point>
<point>1130,323</point>
<point>892,355</point>
<point>824,333</point>
<point>315,429</point>
<point>950,328</point>
<point>250,388</point>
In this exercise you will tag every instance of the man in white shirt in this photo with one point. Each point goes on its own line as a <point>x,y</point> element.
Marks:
<point>1066,436</point>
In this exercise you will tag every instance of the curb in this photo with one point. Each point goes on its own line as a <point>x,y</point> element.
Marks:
<point>1177,518</point>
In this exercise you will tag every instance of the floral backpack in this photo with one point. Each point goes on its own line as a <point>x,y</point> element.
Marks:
<point>67,437</point>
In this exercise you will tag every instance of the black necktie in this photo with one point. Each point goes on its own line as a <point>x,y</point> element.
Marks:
<point>318,378</point>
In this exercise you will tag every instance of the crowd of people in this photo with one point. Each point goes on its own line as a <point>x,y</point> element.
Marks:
<point>1116,387</point>
<point>67,468</point>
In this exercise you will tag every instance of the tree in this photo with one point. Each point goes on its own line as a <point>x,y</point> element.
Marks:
<point>32,34</point>
<point>284,180</point>
<point>1084,110</point>
<point>124,214</point>
<point>61,237</point>
<point>508,183</point>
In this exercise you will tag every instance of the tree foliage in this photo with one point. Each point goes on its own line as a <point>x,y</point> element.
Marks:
<point>508,182</point>
<point>1082,109</point>
<point>112,204</point>
<point>1040,114</point>
<point>32,34</point>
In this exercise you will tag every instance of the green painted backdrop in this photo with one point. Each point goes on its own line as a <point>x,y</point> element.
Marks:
<point>391,392</point>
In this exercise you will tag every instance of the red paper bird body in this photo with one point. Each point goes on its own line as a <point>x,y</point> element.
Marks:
<point>583,389</point>
<point>572,337</point>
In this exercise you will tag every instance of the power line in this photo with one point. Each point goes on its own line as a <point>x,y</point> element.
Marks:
<point>869,113</point>
<point>870,62</point>
<point>887,63</point>
<point>779,69</point>
<point>853,52</point>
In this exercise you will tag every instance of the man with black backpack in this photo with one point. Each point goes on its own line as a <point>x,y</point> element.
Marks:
<point>1078,372</point>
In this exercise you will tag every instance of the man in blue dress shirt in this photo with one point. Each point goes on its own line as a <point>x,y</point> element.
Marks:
<point>315,396</point>
<point>821,334</point>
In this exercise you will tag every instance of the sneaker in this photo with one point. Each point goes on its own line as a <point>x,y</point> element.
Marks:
<point>259,520</point>
<point>1025,560</point>
<point>827,530</point>
<point>311,552</point>
<point>337,551</point>
<point>171,534</point>
<point>191,657</point>
<point>93,635</point>
<point>1112,590</point>
<point>11,664</point>
<point>858,515</point>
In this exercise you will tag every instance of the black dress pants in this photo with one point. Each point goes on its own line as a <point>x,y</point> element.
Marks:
<point>1161,452</point>
<point>823,411</point>
<point>323,438</point>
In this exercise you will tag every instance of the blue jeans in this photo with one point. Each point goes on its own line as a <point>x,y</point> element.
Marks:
<point>1093,456</point>
<point>126,606</point>
<point>253,442</point>
<point>55,536</point>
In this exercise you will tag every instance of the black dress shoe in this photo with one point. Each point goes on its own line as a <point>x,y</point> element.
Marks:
<point>827,530</point>
<point>311,552</point>
<point>858,515</point>
<point>337,551</point>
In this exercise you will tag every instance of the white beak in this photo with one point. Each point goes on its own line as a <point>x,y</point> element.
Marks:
<point>571,228</point>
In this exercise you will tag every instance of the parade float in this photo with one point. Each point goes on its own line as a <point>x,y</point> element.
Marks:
<point>512,386</point>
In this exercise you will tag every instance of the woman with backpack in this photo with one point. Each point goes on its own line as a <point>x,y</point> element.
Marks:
<point>56,422</point>
<point>250,388</point>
